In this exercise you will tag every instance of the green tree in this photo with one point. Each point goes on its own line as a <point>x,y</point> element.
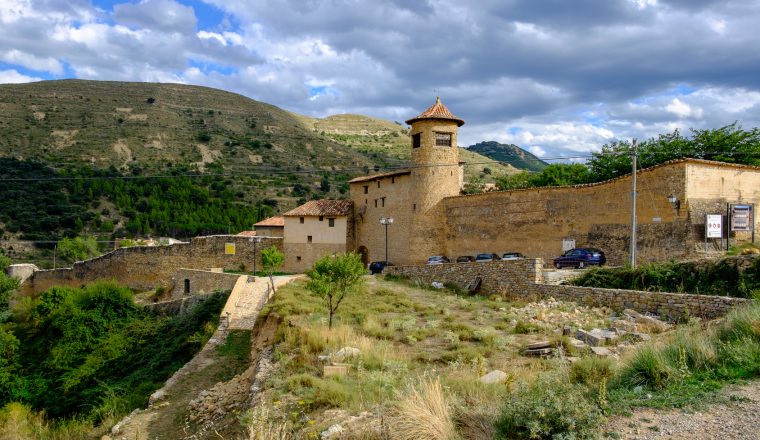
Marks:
<point>271,260</point>
<point>7,286</point>
<point>78,248</point>
<point>561,174</point>
<point>335,276</point>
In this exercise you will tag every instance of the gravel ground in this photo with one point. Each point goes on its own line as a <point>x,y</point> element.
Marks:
<point>737,419</point>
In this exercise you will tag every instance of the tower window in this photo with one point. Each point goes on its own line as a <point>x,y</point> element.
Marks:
<point>393,180</point>
<point>382,199</point>
<point>308,238</point>
<point>375,203</point>
<point>300,220</point>
<point>443,139</point>
<point>366,189</point>
<point>378,184</point>
<point>330,222</point>
<point>416,140</point>
<point>321,218</point>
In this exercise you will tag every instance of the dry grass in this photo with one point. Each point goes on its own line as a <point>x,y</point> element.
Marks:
<point>423,413</point>
<point>261,426</point>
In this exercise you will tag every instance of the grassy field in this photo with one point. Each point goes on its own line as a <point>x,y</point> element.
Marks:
<point>422,352</point>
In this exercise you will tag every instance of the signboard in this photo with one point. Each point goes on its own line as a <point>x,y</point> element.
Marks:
<point>567,244</point>
<point>714,226</point>
<point>741,217</point>
<point>229,248</point>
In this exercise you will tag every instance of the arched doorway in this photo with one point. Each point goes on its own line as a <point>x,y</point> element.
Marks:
<point>364,253</point>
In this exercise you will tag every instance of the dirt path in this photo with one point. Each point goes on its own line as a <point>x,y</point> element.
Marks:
<point>738,418</point>
<point>167,414</point>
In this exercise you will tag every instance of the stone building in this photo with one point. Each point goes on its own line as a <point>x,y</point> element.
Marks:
<point>315,229</point>
<point>270,227</point>
<point>430,217</point>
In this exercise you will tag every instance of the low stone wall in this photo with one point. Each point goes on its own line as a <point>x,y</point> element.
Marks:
<point>200,282</point>
<point>498,277</point>
<point>673,306</point>
<point>145,268</point>
<point>179,306</point>
<point>523,280</point>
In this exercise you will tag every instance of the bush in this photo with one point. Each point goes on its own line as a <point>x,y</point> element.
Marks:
<point>550,407</point>
<point>646,367</point>
<point>591,370</point>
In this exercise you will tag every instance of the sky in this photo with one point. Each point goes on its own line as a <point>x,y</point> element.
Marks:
<point>557,77</point>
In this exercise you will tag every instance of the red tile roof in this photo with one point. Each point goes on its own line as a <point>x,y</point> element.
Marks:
<point>379,176</point>
<point>437,111</point>
<point>322,207</point>
<point>246,234</point>
<point>272,221</point>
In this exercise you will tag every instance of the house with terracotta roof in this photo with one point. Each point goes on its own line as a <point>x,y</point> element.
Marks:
<point>315,229</point>
<point>270,227</point>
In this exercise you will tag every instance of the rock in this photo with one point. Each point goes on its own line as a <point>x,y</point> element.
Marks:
<point>577,343</point>
<point>437,285</point>
<point>157,396</point>
<point>538,352</point>
<point>323,358</point>
<point>605,335</point>
<point>346,352</point>
<point>572,359</point>
<point>647,320</point>
<point>335,431</point>
<point>567,330</point>
<point>495,376</point>
<point>602,351</point>
<point>639,337</point>
<point>536,345</point>
<point>596,337</point>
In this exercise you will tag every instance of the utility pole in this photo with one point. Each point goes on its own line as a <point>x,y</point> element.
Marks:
<point>633,206</point>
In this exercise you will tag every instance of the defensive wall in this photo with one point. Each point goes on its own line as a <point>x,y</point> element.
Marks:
<point>523,280</point>
<point>145,268</point>
<point>190,282</point>
<point>535,221</point>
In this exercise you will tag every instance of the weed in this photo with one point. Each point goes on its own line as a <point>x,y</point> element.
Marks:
<point>423,413</point>
<point>591,370</point>
<point>522,328</point>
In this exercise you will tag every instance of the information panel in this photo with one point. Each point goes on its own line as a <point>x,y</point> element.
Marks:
<point>714,226</point>
<point>741,217</point>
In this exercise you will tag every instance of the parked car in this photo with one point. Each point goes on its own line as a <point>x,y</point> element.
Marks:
<point>437,259</point>
<point>378,266</point>
<point>512,256</point>
<point>465,259</point>
<point>486,257</point>
<point>580,258</point>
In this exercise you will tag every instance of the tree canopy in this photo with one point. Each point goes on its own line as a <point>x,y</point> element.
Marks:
<point>335,276</point>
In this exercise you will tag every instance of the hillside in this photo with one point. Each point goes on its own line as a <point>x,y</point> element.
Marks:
<point>379,138</point>
<point>510,154</point>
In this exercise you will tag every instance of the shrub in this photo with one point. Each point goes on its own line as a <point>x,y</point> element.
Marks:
<point>550,407</point>
<point>423,413</point>
<point>320,392</point>
<point>591,370</point>
<point>523,327</point>
<point>646,367</point>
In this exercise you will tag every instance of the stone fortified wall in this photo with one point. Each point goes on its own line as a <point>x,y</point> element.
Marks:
<point>523,280</point>
<point>145,268</point>
<point>189,282</point>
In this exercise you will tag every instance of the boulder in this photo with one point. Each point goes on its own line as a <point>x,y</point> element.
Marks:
<point>333,432</point>
<point>647,320</point>
<point>537,345</point>
<point>346,352</point>
<point>495,376</point>
<point>538,352</point>
<point>602,351</point>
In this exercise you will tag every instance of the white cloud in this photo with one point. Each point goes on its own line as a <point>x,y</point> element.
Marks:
<point>13,77</point>
<point>47,64</point>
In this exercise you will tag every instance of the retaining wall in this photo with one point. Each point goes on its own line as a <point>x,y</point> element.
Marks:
<point>200,282</point>
<point>145,268</point>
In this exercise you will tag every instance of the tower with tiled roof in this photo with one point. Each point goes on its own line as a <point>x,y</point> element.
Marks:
<point>435,175</point>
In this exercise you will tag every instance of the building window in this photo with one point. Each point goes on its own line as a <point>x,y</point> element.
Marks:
<point>443,139</point>
<point>375,203</point>
<point>321,218</point>
<point>414,207</point>
<point>366,189</point>
<point>187,285</point>
<point>330,222</point>
<point>378,184</point>
<point>298,258</point>
<point>382,199</point>
<point>300,220</point>
<point>416,140</point>
<point>393,180</point>
<point>308,239</point>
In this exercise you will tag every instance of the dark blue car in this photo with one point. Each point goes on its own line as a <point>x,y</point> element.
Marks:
<point>580,258</point>
<point>378,266</point>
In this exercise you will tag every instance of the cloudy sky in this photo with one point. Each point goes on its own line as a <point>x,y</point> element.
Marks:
<point>558,77</point>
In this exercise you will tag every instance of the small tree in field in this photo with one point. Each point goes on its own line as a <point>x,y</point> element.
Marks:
<point>271,260</point>
<point>335,276</point>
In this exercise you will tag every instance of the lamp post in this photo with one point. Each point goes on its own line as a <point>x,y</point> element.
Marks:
<point>386,221</point>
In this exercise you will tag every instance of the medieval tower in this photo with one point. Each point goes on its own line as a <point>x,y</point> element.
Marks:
<point>435,174</point>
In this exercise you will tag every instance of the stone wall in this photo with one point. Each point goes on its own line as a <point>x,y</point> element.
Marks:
<point>523,280</point>
<point>673,306</point>
<point>535,221</point>
<point>498,277</point>
<point>179,306</point>
<point>300,257</point>
<point>21,271</point>
<point>145,268</point>
<point>200,282</point>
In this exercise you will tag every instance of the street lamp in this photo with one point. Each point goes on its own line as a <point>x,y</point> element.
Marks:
<point>386,221</point>
<point>674,202</point>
